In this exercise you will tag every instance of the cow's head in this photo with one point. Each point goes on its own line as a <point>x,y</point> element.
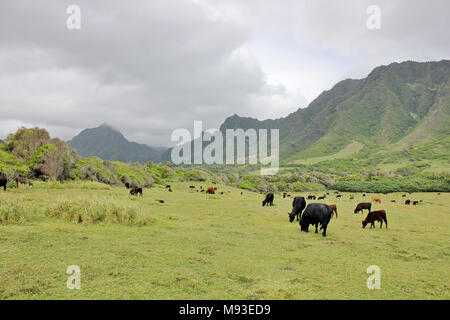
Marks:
<point>364,224</point>
<point>291,216</point>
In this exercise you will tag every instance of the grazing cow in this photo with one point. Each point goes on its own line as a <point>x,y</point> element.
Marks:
<point>214,183</point>
<point>311,197</point>
<point>364,194</point>
<point>284,195</point>
<point>298,205</point>
<point>127,185</point>
<point>210,190</point>
<point>23,180</point>
<point>160,201</point>
<point>192,187</point>
<point>3,182</point>
<point>321,198</point>
<point>373,216</point>
<point>135,191</point>
<point>415,203</point>
<point>352,197</point>
<point>404,196</point>
<point>328,193</point>
<point>221,193</point>
<point>170,190</point>
<point>375,199</point>
<point>334,209</point>
<point>339,196</point>
<point>393,201</point>
<point>268,200</point>
<point>362,206</point>
<point>168,186</point>
<point>407,202</point>
<point>315,214</point>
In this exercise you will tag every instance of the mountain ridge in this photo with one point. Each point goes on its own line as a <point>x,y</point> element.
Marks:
<point>108,143</point>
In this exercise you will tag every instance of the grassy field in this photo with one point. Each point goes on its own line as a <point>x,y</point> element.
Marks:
<point>195,246</point>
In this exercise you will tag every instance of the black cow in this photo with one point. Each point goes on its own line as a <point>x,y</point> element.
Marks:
<point>127,185</point>
<point>407,202</point>
<point>268,200</point>
<point>415,203</point>
<point>297,207</point>
<point>284,195</point>
<point>321,198</point>
<point>192,187</point>
<point>360,207</point>
<point>168,186</point>
<point>315,214</point>
<point>3,182</point>
<point>135,191</point>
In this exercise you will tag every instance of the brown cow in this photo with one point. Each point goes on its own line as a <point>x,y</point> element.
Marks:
<point>334,209</point>
<point>22,180</point>
<point>210,190</point>
<point>352,197</point>
<point>373,216</point>
<point>376,199</point>
<point>135,191</point>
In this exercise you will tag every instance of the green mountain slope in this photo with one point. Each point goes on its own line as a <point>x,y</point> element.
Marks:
<point>396,105</point>
<point>109,144</point>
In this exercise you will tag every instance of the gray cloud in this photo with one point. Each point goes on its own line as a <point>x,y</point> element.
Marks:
<point>151,67</point>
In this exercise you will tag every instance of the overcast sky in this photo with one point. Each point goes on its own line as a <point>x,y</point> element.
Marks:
<point>149,67</point>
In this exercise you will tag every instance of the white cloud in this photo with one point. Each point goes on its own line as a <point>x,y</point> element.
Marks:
<point>151,67</point>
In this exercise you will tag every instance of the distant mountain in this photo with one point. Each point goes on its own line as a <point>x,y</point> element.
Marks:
<point>395,106</point>
<point>108,143</point>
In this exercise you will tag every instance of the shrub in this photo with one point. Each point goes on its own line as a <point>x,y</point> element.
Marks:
<point>12,213</point>
<point>90,211</point>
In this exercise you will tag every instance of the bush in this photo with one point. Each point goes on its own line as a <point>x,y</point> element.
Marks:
<point>89,211</point>
<point>12,213</point>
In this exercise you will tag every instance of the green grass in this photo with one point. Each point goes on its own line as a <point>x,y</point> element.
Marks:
<point>217,247</point>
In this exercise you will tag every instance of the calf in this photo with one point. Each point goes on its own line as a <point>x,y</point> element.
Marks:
<point>315,214</point>
<point>375,199</point>
<point>352,197</point>
<point>268,200</point>
<point>298,205</point>
<point>210,190</point>
<point>361,206</point>
<point>334,209</point>
<point>373,216</point>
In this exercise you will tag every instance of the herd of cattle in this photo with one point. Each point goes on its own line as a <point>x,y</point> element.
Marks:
<point>312,214</point>
<point>315,214</point>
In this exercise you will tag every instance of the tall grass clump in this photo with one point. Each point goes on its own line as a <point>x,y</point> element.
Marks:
<point>93,211</point>
<point>12,213</point>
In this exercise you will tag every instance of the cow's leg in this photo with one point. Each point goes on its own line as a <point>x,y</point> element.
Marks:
<point>381,224</point>
<point>317,225</point>
<point>324,231</point>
